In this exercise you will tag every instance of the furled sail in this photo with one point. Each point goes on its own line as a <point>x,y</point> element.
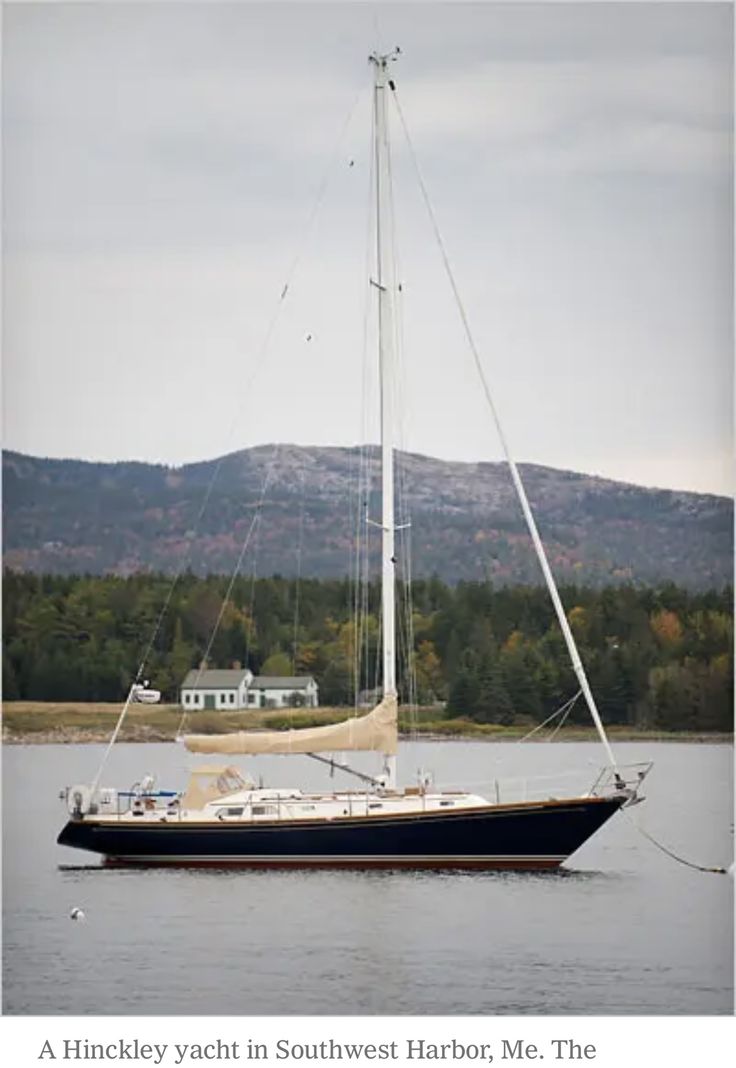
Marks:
<point>378,730</point>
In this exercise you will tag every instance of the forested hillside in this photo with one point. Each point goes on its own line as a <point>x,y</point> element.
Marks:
<point>68,517</point>
<point>656,657</point>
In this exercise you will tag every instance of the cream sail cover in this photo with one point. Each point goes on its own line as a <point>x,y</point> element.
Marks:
<point>378,730</point>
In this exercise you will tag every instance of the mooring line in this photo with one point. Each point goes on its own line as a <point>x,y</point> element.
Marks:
<point>674,856</point>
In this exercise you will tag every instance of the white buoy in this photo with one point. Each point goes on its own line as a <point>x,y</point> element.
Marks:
<point>77,914</point>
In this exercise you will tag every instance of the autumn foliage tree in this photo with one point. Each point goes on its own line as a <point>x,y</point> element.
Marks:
<point>655,657</point>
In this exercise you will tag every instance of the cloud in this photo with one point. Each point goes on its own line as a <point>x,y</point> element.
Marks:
<point>656,115</point>
<point>161,160</point>
<point>153,126</point>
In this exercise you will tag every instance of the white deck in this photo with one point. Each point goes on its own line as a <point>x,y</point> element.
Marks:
<point>231,799</point>
<point>267,805</point>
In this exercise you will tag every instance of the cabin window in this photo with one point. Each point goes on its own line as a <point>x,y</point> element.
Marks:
<point>264,810</point>
<point>446,804</point>
<point>309,808</point>
<point>375,804</point>
<point>234,811</point>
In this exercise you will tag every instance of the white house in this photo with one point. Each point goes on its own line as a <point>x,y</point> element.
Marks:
<point>237,688</point>
<point>216,688</point>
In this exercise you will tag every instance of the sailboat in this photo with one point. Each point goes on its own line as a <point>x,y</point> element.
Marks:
<point>224,818</point>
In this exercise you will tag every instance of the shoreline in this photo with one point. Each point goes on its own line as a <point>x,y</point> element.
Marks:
<point>72,737</point>
<point>80,723</point>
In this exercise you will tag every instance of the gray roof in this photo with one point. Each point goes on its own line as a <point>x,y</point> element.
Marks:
<point>215,678</point>
<point>230,679</point>
<point>281,682</point>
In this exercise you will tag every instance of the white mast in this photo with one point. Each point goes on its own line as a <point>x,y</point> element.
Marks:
<point>384,283</point>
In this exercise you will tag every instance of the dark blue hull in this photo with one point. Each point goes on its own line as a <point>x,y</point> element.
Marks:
<point>521,836</point>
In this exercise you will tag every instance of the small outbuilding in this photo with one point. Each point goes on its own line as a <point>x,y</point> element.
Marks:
<point>287,691</point>
<point>232,689</point>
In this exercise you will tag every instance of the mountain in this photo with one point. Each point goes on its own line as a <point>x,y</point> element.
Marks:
<point>70,516</point>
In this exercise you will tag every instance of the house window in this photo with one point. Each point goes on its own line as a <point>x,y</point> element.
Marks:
<point>232,698</point>
<point>252,698</point>
<point>186,698</point>
<point>223,698</point>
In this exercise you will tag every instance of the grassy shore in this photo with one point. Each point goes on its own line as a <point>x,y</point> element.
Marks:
<point>35,722</point>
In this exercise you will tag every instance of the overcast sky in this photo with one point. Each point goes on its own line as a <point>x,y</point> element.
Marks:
<point>161,162</point>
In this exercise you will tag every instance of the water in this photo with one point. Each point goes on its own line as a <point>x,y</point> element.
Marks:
<point>622,930</point>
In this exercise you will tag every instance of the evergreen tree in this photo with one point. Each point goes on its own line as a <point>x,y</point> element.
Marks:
<point>654,657</point>
<point>494,704</point>
<point>463,696</point>
<point>11,690</point>
<point>521,682</point>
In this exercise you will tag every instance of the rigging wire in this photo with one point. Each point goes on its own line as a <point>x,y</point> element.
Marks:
<point>405,628</point>
<point>404,530</point>
<point>259,360</point>
<point>295,643</point>
<point>377,661</point>
<point>515,476</point>
<point>404,513</point>
<point>361,635</point>
<point>561,724</point>
<point>531,523</point>
<point>564,711</point>
<point>236,570</point>
<point>262,351</point>
<point>353,571</point>
<point>250,631</point>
